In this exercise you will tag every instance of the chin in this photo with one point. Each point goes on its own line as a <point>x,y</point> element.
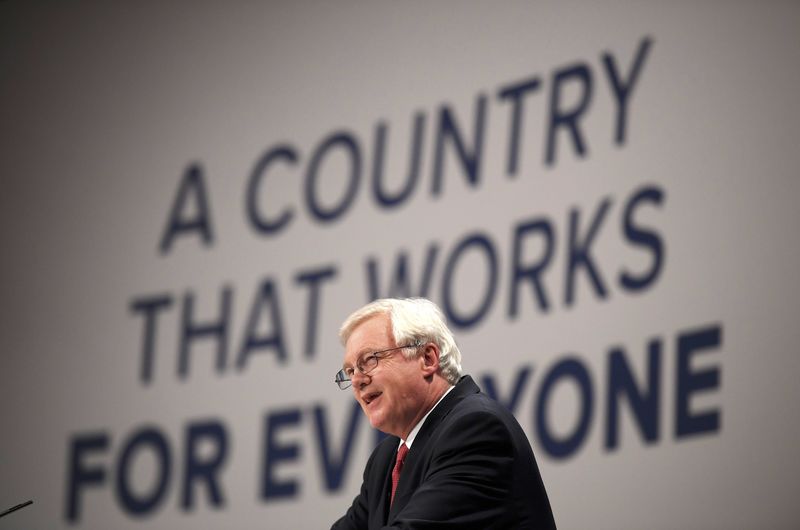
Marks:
<point>379,422</point>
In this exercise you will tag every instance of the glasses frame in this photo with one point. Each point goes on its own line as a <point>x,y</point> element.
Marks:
<point>344,381</point>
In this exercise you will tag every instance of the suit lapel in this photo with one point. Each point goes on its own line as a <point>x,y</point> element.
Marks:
<point>383,481</point>
<point>415,456</point>
<point>463,388</point>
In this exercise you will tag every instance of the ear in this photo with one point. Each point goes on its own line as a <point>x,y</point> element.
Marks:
<point>429,359</point>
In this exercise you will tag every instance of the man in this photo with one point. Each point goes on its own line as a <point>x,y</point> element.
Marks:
<point>454,458</point>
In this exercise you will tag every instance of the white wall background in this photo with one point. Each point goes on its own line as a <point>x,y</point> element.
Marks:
<point>104,106</point>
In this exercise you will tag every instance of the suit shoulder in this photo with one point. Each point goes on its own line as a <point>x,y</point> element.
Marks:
<point>478,405</point>
<point>479,411</point>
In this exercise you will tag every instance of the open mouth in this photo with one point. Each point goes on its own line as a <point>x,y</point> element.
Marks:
<point>369,398</point>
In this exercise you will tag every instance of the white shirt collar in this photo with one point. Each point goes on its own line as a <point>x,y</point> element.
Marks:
<point>418,426</point>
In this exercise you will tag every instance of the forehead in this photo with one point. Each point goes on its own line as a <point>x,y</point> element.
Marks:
<point>374,333</point>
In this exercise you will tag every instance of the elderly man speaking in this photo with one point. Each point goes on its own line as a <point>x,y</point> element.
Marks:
<point>455,458</point>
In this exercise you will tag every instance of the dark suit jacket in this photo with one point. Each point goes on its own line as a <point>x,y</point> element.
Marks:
<point>470,466</point>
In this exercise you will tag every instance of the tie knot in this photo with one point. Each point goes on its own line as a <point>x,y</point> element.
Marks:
<point>401,454</point>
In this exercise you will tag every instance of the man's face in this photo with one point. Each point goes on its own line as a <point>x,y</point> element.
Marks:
<point>391,395</point>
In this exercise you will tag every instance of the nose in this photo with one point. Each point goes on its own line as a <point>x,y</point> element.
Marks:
<point>359,380</point>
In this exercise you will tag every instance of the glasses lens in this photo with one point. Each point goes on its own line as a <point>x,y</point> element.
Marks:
<point>342,379</point>
<point>368,363</point>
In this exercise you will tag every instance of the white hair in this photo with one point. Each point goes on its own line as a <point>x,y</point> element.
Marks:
<point>413,320</point>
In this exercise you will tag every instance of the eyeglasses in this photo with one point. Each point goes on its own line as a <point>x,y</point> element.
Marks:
<point>365,365</point>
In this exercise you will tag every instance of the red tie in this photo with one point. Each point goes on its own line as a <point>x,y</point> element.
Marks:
<point>398,467</point>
